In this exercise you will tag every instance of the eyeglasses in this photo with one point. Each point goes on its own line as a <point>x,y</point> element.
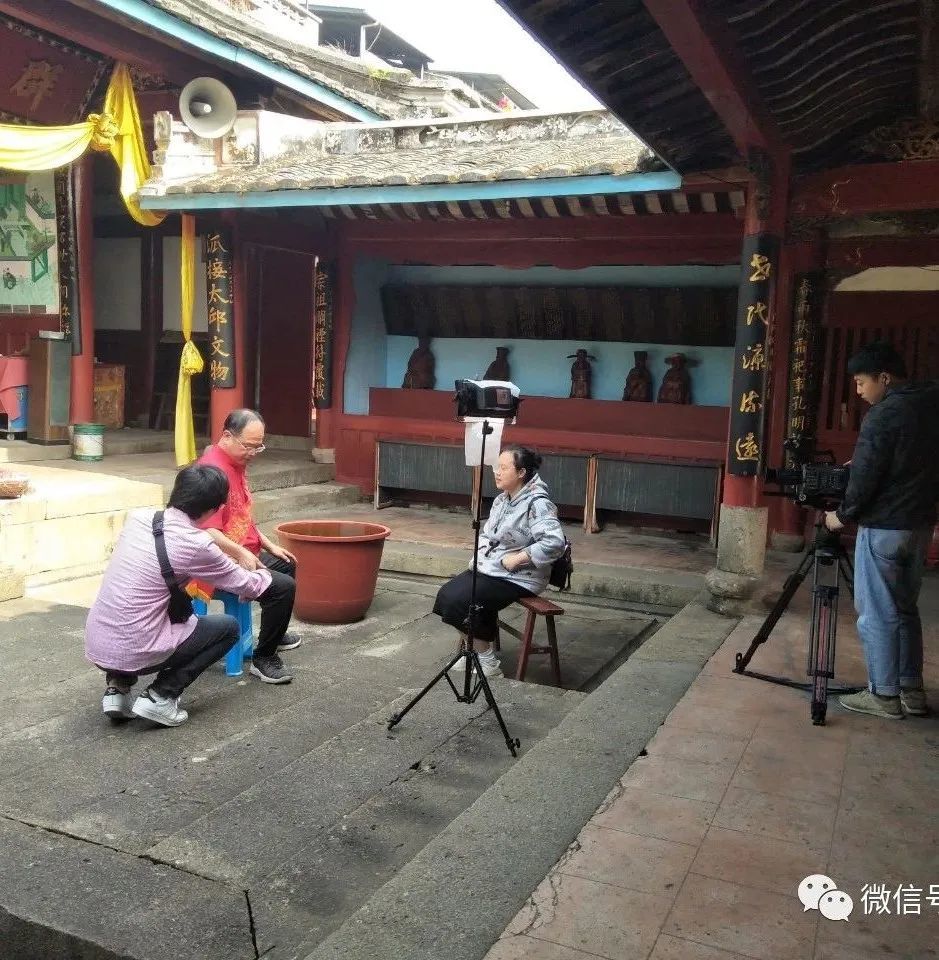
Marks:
<point>248,448</point>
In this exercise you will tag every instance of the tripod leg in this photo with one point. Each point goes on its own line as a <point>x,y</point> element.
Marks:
<point>396,718</point>
<point>512,743</point>
<point>846,568</point>
<point>793,582</point>
<point>822,649</point>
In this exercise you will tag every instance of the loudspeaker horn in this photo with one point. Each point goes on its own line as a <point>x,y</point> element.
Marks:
<point>208,107</point>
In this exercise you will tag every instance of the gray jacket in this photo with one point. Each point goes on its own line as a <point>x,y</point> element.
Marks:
<point>527,522</point>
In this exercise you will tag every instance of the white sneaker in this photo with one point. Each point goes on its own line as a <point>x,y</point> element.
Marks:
<point>161,710</point>
<point>490,664</point>
<point>117,705</point>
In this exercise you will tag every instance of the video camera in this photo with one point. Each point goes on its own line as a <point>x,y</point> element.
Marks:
<point>816,481</point>
<point>497,399</point>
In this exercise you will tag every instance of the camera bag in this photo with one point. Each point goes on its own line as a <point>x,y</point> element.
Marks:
<point>563,567</point>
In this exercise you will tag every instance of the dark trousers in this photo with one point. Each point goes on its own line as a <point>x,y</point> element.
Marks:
<point>492,595</point>
<point>213,637</point>
<point>276,603</point>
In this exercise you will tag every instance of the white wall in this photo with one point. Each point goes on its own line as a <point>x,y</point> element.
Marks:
<point>117,283</point>
<point>892,278</point>
<point>172,292</point>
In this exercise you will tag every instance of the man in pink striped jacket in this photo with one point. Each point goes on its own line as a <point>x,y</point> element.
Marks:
<point>129,631</point>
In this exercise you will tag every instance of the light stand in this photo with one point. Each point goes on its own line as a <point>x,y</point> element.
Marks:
<point>829,562</point>
<point>472,667</point>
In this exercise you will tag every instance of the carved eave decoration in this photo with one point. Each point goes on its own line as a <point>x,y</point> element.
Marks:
<point>909,139</point>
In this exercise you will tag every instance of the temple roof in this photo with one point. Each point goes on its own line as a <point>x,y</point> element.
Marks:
<point>501,147</point>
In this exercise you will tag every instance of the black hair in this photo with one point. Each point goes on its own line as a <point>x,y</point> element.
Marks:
<point>198,489</point>
<point>237,420</point>
<point>524,459</point>
<point>877,357</point>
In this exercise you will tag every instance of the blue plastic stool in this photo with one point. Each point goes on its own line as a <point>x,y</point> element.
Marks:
<point>241,611</point>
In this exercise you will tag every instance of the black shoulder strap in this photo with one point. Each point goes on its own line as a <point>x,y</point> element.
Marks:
<point>162,556</point>
<point>534,499</point>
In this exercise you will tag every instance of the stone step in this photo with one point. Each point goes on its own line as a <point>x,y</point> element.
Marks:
<point>347,820</point>
<point>661,589</point>
<point>291,503</point>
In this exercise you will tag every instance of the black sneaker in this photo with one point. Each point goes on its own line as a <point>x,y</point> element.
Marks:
<point>290,642</point>
<point>270,670</point>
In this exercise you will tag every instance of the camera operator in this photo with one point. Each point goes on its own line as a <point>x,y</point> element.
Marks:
<point>520,541</point>
<point>891,495</point>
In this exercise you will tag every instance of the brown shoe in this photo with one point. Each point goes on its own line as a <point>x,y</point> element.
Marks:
<point>913,702</point>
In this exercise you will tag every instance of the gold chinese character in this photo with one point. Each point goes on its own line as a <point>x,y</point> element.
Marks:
<point>798,366</point>
<point>761,267</point>
<point>798,385</point>
<point>747,448</point>
<point>750,402</point>
<point>217,318</point>
<point>216,269</point>
<point>798,402</point>
<point>799,347</point>
<point>801,328</point>
<point>217,351</point>
<point>756,311</point>
<point>215,295</point>
<point>797,423</point>
<point>218,371</point>
<point>754,359</point>
<point>213,243</point>
<point>36,81</point>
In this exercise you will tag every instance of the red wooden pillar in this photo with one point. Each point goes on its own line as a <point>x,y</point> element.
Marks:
<point>223,401</point>
<point>327,419</point>
<point>787,521</point>
<point>742,534</point>
<point>82,406</point>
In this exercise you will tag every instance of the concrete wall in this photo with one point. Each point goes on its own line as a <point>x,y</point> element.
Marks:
<point>172,289</point>
<point>117,283</point>
<point>540,368</point>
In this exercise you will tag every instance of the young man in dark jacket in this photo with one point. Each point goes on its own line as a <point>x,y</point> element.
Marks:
<point>892,497</point>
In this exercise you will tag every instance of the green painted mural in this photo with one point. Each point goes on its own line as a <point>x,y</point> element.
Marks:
<point>29,268</point>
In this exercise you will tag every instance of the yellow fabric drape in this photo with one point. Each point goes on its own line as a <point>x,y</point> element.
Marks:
<point>127,146</point>
<point>116,130</point>
<point>190,363</point>
<point>45,148</point>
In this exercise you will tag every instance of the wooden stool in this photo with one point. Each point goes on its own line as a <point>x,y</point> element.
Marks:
<point>536,607</point>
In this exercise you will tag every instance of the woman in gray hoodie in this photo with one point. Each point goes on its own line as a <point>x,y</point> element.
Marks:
<point>517,545</point>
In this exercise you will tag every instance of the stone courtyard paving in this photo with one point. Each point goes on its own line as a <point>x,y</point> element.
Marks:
<point>290,824</point>
<point>698,852</point>
<point>276,812</point>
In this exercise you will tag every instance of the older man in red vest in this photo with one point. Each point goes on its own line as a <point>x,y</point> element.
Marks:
<point>234,530</point>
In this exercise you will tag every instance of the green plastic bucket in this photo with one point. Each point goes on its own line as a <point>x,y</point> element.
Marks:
<point>88,442</point>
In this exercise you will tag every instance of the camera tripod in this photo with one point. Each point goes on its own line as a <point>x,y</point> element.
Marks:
<point>829,562</point>
<point>474,680</point>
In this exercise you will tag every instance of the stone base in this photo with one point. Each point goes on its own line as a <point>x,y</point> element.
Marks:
<point>787,542</point>
<point>729,594</point>
<point>324,454</point>
<point>12,584</point>
<point>741,552</point>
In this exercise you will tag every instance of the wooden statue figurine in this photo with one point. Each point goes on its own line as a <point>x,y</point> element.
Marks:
<point>639,382</point>
<point>420,372</point>
<point>499,368</point>
<point>581,374</point>
<point>676,384</point>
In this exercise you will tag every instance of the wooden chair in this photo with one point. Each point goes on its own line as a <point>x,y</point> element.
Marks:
<point>536,607</point>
